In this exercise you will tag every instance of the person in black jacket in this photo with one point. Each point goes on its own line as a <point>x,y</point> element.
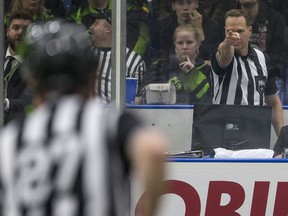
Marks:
<point>184,12</point>
<point>269,33</point>
<point>72,155</point>
<point>189,73</point>
<point>55,7</point>
<point>16,93</point>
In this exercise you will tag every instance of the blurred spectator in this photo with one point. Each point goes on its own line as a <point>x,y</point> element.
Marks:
<point>71,155</point>
<point>282,7</point>
<point>73,5</point>
<point>16,93</point>
<point>189,74</point>
<point>212,12</point>
<point>184,12</point>
<point>36,9</point>
<point>269,33</point>
<point>7,5</point>
<point>214,9</point>
<point>55,7</point>
<point>161,9</point>
<point>137,21</point>
<point>101,37</point>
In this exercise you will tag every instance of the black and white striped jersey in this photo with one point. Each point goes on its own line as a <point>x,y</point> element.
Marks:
<point>246,81</point>
<point>135,67</point>
<point>57,161</point>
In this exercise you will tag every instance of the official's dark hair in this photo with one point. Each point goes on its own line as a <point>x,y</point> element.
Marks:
<point>59,56</point>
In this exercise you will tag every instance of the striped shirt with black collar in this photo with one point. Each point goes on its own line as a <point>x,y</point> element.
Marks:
<point>246,81</point>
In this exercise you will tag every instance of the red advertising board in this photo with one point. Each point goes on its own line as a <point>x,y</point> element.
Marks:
<point>215,188</point>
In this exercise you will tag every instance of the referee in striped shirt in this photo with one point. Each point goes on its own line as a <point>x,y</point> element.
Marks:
<point>240,73</point>
<point>73,155</point>
<point>100,35</point>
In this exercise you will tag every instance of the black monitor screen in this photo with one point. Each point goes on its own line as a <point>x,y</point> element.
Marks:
<point>232,127</point>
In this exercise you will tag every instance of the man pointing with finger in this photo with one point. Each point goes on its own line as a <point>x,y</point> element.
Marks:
<point>241,74</point>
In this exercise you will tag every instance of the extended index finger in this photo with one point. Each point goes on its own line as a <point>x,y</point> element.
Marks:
<point>230,33</point>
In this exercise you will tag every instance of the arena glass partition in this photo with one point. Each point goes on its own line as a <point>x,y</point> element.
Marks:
<point>154,14</point>
<point>175,118</point>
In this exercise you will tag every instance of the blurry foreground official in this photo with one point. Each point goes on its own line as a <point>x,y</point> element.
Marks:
<point>71,156</point>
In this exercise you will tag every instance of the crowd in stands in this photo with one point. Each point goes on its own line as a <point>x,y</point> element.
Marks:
<point>213,51</point>
<point>72,155</point>
<point>156,41</point>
